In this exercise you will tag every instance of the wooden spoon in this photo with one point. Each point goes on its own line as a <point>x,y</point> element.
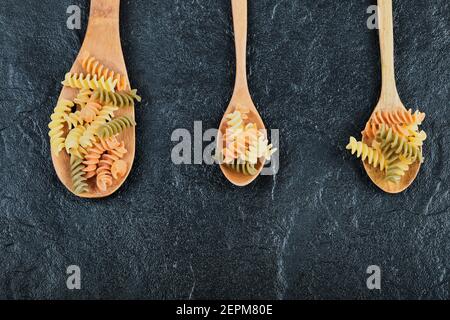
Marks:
<point>389,99</point>
<point>102,41</point>
<point>241,95</point>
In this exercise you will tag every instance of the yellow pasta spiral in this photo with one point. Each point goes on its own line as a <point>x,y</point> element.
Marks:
<point>397,169</point>
<point>72,143</point>
<point>83,97</point>
<point>80,81</point>
<point>374,157</point>
<point>73,119</point>
<point>56,125</point>
<point>105,114</point>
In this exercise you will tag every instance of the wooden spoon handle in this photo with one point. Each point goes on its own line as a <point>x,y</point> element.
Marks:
<point>105,9</point>
<point>389,93</point>
<point>102,38</point>
<point>239,8</point>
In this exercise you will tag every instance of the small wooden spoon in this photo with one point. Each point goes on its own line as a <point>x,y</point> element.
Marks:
<point>241,95</point>
<point>102,41</point>
<point>389,99</point>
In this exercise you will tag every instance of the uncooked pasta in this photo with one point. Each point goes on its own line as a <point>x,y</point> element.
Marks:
<point>87,129</point>
<point>244,145</point>
<point>392,142</point>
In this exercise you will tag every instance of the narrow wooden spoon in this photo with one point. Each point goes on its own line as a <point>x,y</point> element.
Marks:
<point>102,41</point>
<point>389,99</point>
<point>241,95</point>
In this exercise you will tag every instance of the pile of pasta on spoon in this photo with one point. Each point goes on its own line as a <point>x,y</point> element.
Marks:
<point>87,128</point>
<point>244,144</point>
<point>392,142</point>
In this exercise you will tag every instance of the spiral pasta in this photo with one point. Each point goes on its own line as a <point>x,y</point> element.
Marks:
<point>374,156</point>
<point>244,144</point>
<point>94,153</point>
<point>93,66</point>
<point>104,115</point>
<point>73,119</point>
<point>90,111</point>
<point>245,168</point>
<point>72,143</point>
<point>391,141</point>
<point>83,97</point>
<point>119,99</point>
<point>115,126</point>
<point>80,81</point>
<point>372,129</point>
<point>56,125</point>
<point>77,174</point>
<point>396,117</point>
<point>104,174</point>
<point>397,169</point>
<point>86,129</point>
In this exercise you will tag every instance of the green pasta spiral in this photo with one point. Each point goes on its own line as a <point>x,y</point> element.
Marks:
<point>246,168</point>
<point>397,168</point>
<point>392,142</point>
<point>116,126</point>
<point>77,174</point>
<point>119,99</point>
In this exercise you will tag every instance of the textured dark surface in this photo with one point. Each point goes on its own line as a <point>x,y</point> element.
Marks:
<point>184,231</point>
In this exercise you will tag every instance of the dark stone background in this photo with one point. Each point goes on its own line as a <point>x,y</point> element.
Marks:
<point>178,232</point>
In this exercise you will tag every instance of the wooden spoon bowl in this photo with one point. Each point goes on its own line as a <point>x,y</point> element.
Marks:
<point>102,41</point>
<point>389,98</point>
<point>241,95</point>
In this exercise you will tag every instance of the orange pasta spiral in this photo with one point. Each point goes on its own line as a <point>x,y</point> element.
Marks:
<point>398,117</point>
<point>91,65</point>
<point>104,174</point>
<point>90,111</point>
<point>94,154</point>
<point>372,129</point>
<point>401,122</point>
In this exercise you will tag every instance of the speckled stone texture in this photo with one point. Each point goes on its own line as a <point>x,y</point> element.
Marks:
<point>180,232</point>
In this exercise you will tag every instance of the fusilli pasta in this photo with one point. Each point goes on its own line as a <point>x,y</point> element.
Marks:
<point>374,156</point>
<point>105,114</point>
<point>391,141</point>
<point>56,125</point>
<point>94,154</point>
<point>246,168</point>
<point>95,67</point>
<point>104,174</point>
<point>73,142</point>
<point>79,184</point>
<point>115,126</point>
<point>117,99</point>
<point>80,81</point>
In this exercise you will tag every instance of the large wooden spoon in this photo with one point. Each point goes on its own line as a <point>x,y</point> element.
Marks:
<point>102,41</point>
<point>241,95</point>
<point>389,99</point>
